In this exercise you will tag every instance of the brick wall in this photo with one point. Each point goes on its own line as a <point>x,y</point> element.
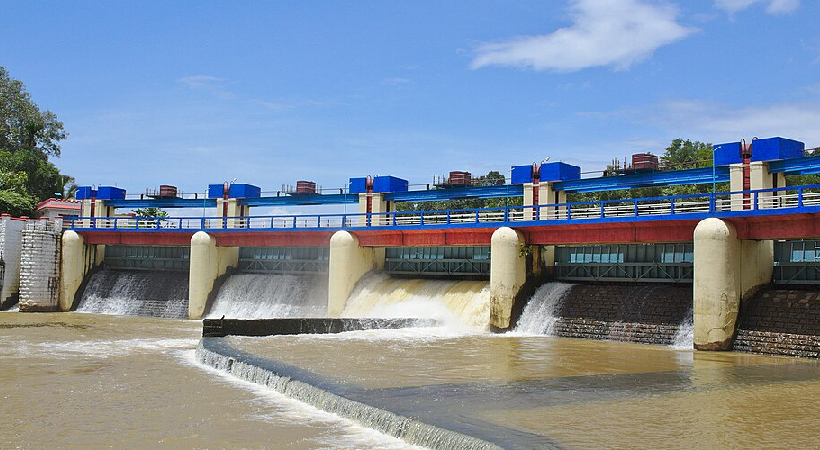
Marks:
<point>39,267</point>
<point>644,313</point>
<point>781,321</point>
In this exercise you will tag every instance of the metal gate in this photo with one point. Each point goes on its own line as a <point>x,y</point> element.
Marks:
<point>147,257</point>
<point>657,263</point>
<point>797,262</point>
<point>284,260</point>
<point>438,260</point>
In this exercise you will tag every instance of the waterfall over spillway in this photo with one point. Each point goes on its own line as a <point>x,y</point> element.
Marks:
<point>541,312</point>
<point>685,337</point>
<point>137,293</point>
<point>455,302</point>
<point>261,296</point>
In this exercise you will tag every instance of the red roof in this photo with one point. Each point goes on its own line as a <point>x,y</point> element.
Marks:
<point>53,203</point>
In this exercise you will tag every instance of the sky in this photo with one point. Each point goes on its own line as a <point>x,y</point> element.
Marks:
<point>191,93</point>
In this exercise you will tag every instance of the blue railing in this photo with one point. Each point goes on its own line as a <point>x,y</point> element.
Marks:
<point>694,206</point>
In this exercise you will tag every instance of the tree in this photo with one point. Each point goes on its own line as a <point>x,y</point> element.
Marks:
<point>28,137</point>
<point>150,212</point>
<point>491,179</point>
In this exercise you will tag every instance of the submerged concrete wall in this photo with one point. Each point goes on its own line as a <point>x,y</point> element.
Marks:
<point>39,267</point>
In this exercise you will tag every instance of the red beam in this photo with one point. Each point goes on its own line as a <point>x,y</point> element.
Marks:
<point>136,237</point>
<point>612,233</point>
<point>791,226</point>
<point>273,238</point>
<point>422,238</point>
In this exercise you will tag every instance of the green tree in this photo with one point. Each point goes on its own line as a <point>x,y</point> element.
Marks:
<point>28,137</point>
<point>491,179</point>
<point>150,212</point>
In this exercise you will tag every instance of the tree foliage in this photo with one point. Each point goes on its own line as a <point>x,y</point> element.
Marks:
<point>150,212</point>
<point>28,137</point>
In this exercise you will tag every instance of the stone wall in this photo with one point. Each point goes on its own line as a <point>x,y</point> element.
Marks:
<point>39,267</point>
<point>781,321</point>
<point>644,313</point>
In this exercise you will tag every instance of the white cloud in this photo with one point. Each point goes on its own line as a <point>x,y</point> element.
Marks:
<point>772,6</point>
<point>614,33</point>
<point>207,83</point>
<point>719,122</point>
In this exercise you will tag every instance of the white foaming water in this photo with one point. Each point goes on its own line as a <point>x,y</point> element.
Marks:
<point>15,308</point>
<point>458,304</point>
<point>685,337</point>
<point>541,312</point>
<point>132,293</point>
<point>255,296</point>
<point>302,413</point>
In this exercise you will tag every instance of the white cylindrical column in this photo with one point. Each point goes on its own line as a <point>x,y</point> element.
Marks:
<point>203,272</point>
<point>348,262</point>
<point>73,268</point>
<point>508,273</point>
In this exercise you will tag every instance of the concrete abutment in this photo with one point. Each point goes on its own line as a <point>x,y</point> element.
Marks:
<point>349,262</point>
<point>208,264</point>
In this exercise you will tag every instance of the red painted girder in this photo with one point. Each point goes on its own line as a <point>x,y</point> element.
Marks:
<point>273,238</point>
<point>422,238</point>
<point>611,233</point>
<point>791,226</point>
<point>136,237</point>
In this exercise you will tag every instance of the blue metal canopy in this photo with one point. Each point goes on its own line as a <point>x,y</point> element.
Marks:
<point>671,178</point>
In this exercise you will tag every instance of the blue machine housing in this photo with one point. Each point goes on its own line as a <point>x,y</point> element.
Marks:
<point>110,193</point>
<point>521,174</point>
<point>85,193</point>
<point>776,148</point>
<point>727,154</point>
<point>358,185</point>
<point>558,171</point>
<point>389,184</point>
<point>215,190</point>
<point>236,190</point>
<point>239,190</point>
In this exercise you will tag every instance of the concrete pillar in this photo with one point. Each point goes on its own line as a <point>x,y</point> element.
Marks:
<point>208,262</point>
<point>234,214</point>
<point>759,178</point>
<point>378,205</point>
<point>726,270</point>
<point>348,264</point>
<point>99,210</point>
<point>72,269</point>
<point>508,273</point>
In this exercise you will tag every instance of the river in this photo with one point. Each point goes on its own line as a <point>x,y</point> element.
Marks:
<point>75,380</point>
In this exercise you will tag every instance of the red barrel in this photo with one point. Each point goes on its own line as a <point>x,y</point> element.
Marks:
<point>305,187</point>
<point>167,191</point>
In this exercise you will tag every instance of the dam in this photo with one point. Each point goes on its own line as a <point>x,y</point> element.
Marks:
<point>548,306</point>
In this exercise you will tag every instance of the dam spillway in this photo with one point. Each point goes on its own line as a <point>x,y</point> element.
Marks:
<point>643,313</point>
<point>264,296</point>
<point>458,303</point>
<point>136,293</point>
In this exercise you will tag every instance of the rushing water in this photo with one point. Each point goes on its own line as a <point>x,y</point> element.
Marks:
<point>456,303</point>
<point>541,312</point>
<point>256,296</point>
<point>137,293</point>
<point>87,381</point>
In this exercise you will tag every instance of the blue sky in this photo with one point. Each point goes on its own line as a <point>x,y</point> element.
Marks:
<point>191,93</point>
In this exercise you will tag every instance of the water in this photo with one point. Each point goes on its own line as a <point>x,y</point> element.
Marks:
<point>256,296</point>
<point>685,337</point>
<point>541,312</point>
<point>459,304</point>
<point>522,392</point>
<point>80,381</point>
<point>139,293</point>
